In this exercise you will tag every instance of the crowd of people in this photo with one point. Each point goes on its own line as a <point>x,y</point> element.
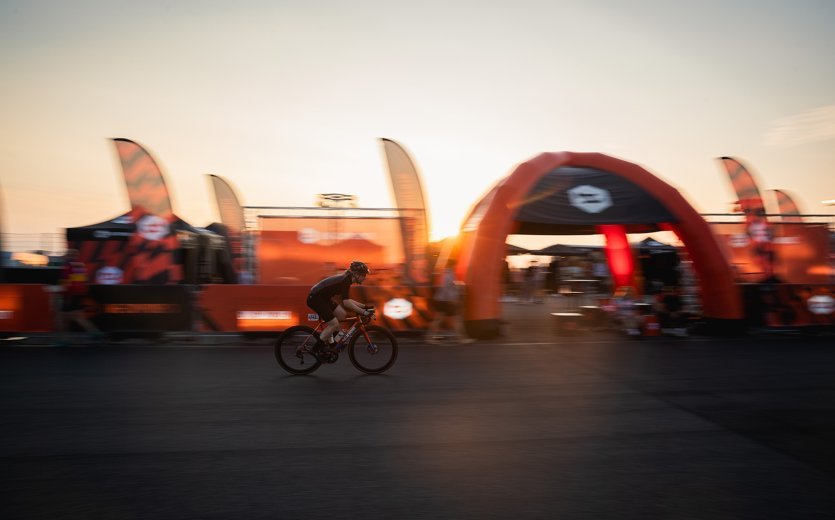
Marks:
<point>572,274</point>
<point>664,297</point>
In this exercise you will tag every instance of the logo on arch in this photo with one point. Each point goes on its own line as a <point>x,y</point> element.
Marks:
<point>590,199</point>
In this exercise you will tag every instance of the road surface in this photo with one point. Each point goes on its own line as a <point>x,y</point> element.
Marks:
<point>591,427</point>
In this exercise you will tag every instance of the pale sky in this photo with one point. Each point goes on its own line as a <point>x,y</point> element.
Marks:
<point>287,99</point>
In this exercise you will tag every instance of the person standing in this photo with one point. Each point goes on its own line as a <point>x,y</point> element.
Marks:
<point>552,279</point>
<point>446,302</point>
<point>626,312</point>
<point>529,291</point>
<point>73,289</point>
<point>600,274</point>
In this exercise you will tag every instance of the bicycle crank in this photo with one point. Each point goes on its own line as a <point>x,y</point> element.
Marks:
<point>328,357</point>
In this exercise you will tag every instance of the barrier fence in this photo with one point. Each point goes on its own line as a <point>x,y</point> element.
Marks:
<point>208,308</point>
<point>31,308</point>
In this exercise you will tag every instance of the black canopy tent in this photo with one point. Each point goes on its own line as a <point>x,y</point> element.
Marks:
<point>659,264</point>
<point>120,228</point>
<point>106,244</point>
<point>651,246</point>
<point>516,250</point>
<point>565,250</point>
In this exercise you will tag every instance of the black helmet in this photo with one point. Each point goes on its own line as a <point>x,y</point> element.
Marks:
<point>358,267</point>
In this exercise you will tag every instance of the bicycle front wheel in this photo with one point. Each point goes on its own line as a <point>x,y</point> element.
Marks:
<point>375,356</point>
<point>292,350</point>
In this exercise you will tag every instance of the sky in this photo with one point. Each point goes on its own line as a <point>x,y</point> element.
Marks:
<point>288,99</point>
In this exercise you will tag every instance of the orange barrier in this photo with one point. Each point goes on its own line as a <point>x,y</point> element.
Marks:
<point>26,308</point>
<point>227,308</point>
<point>253,308</point>
<point>266,308</point>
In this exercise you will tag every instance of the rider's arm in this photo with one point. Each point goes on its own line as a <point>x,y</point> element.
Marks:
<point>353,305</point>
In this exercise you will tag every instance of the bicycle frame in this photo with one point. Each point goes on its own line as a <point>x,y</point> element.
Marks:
<point>357,325</point>
<point>361,340</point>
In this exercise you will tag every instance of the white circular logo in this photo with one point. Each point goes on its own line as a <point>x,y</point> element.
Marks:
<point>152,227</point>
<point>308,236</point>
<point>590,199</point>
<point>821,304</point>
<point>397,308</point>
<point>109,275</point>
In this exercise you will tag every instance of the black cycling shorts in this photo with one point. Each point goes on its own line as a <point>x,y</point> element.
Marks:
<point>323,307</point>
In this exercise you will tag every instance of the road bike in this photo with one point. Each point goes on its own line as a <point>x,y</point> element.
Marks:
<point>371,348</point>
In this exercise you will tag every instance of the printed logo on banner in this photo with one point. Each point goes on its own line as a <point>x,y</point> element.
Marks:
<point>590,199</point>
<point>787,240</point>
<point>759,232</point>
<point>109,275</point>
<point>738,240</point>
<point>152,227</point>
<point>821,304</point>
<point>312,317</point>
<point>265,315</point>
<point>397,308</point>
<point>308,236</point>
<point>312,236</point>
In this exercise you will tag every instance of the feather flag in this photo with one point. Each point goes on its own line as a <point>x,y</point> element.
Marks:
<point>414,224</point>
<point>751,205</point>
<point>789,212</point>
<point>232,217</point>
<point>748,195</point>
<point>152,247</point>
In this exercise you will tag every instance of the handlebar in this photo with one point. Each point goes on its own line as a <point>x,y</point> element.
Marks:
<point>371,314</point>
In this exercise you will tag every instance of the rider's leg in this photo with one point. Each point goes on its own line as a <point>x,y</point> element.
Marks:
<point>326,335</point>
<point>339,314</point>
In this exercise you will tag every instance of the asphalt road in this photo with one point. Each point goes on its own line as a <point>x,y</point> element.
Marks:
<point>593,427</point>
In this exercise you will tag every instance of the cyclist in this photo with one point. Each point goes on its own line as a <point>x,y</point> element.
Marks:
<point>330,299</point>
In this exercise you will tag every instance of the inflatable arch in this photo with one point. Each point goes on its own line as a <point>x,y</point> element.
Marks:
<point>554,176</point>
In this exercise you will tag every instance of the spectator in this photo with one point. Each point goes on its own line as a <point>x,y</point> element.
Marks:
<point>552,280</point>
<point>507,279</point>
<point>669,307</point>
<point>446,302</point>
<point>73,290</point>
<point>533,283</point>
<point>626,313</point>
<point>539,283</point>
<point>600,273</point>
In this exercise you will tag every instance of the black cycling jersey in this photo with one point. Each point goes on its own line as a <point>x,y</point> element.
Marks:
<point>321,295</point>
<point>336,285</point>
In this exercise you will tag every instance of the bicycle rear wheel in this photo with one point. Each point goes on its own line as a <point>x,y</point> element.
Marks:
<point>292,350</point>
<point>378,355</point>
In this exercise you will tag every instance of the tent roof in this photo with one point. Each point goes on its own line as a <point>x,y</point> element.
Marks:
<point>572,200</point>
<point>564,250</point>
<point>118,228</point>
<point>651,244</point>
<point>516,250</point>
